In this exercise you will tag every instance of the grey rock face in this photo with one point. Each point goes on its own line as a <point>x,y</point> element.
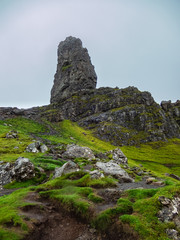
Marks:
<point>113,169</point>
<point>96,174</point>
<point>118,156</point>
<point>21,170</point>
<point>75,151</point>
<point>74,70</point>
<point>66,168</point>
<point>5,174</point>
<point>36,147</point>
<point>170,212</point>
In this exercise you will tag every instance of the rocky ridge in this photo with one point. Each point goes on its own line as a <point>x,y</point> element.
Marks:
<point>122,116</point>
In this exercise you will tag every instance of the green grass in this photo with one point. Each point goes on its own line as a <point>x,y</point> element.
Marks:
<point>9,215</point>
<point>159,157</point>
<point>70,132</point>
<point>146,206</point>
<point>72,198</point>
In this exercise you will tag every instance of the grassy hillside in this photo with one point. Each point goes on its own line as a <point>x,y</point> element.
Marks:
<point>77,192</point>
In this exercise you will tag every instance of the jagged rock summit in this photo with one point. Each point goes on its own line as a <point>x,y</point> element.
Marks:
<point>122,116</point>
<point>75,71</point>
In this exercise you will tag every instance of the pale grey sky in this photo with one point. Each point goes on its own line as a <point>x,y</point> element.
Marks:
<point>131,43</point>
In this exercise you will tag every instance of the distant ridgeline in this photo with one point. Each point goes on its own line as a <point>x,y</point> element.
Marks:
<point>122,116</point>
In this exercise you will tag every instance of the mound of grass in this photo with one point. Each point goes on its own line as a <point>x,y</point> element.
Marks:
<point>146,206</point>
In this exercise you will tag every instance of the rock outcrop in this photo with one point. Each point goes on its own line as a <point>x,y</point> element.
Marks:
<point>122,116</point>
<point>21,170</point>
<point>74,70</point>
<point>74,151</point>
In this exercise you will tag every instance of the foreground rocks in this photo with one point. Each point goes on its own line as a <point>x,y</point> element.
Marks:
<point>113,169</point>
<point>170,213</point>
<point>75,151</point>
<point>36,147</point>
<point>21,170</point>
<point>66,168</point>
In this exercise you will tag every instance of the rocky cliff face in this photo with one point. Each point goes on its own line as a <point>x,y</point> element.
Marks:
<point>74,70</point>
<point>122,116</point>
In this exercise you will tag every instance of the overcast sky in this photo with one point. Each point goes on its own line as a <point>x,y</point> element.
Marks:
<point>130,42</point>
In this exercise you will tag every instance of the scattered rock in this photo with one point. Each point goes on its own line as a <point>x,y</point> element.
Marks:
<point>43,148</point>
<point>96,174</point>
<point>170,213</point>
<point>173,234</point>
<point>150,180</point>
<point>75,151</point>
<point>159,183</point>
<point>66,168</point>
<point>23,169</point>
<point>118,156</point>
<point>173,176</point>
<point>113,169</point>
<point>5,174</point>
<point>12,134</point>
<point>36,147</point>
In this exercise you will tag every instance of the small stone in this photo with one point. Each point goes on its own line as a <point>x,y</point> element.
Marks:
<point>150,180</point>
<point>43,148</point>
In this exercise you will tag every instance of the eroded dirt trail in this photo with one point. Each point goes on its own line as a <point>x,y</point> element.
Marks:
<point>49,222</point>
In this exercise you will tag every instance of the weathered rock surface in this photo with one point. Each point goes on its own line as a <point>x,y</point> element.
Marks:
<point>36,147</point>
<point>68,167</point>
<point>96,174</point>
<point>5,174</point>
<point>170,213</point>
<point>21,170</point>
<point>74,70</point>
<point>75,151</point>
<point>122,116</point>
<point>172,109</point>
<point>113,169</point>
<point>118,156</point>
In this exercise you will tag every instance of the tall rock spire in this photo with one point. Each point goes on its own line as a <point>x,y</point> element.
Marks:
<point>75,71</point>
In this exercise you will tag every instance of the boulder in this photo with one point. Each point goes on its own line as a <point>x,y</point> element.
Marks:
<point>170,210</point>
<point>23,169</point>
<point>96,174</point>
<point>118,156</point>
<point>12,134</point>
<point>33,147</point>
<point>74,70</point>
<point>76,151</point>
<point>43,148</point>
<point>68,167</point>
<point>5,174</point>
<point>36,147</point>
<point>113,169</point>
<point>173,234</point>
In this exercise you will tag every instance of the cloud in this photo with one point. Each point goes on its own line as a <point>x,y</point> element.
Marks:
<point>130,43</point>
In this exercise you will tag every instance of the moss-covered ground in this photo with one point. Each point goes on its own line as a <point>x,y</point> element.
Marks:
<point>78,192</point>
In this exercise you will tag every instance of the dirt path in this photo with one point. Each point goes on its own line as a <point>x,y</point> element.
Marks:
<point>49,222</point>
